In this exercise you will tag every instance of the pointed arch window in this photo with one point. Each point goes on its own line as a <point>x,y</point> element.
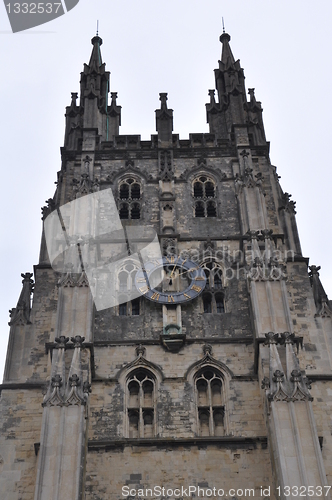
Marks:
<point>219,300</point>
<point>141,411</point>
<point>213,297</point>
<point>204,193</point>
<point>126,286</point>
<point>213,303</point>
<point>135,307</point>
<point>130,199</point>
<point>207,303</point>
<point>209,400</point>
<point>131,308</point>
<point>123,309</point>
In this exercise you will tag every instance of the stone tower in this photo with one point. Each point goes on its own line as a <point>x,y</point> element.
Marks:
<point>200,369</point>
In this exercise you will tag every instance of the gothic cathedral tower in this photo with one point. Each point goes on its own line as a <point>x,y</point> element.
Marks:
<point>176,345</point>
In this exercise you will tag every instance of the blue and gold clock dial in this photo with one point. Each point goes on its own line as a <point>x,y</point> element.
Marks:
<point>170,280</point>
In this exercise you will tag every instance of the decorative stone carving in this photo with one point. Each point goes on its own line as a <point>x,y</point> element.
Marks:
<point>78,341</point>
<point>248,180</point>
<point>271,338</point>
<point>267,234</point>
<point>254,119</point>
<point>87,387</point>
<point>46,210</point>
<point>265,383</point>
<point>323,307</point>
<point>140,362</point>
<point>85,185</point>
<point>279,394</point>
<point>115,111</point>
<point>166,166</point>
<point>300,391</point>
<point>130,163</point>
<point>86,164</point>
<point>169,246</point>
<point>71,279</point>
<point>248,177</point>
<point>20,315</point>
<point>207,349</point>
<point>76,396</point>
<point>61,342</point>
<point>209,360</point>
<point>287,338</point>
<point>287,204</point>
<point>239,183</point>
<point>209,247</point>
<point>273,271</point>
<point>279,387</point>
<point>264,265</point>
<point>140,350</point>
<point>54,398</point>
<point>213,107</point>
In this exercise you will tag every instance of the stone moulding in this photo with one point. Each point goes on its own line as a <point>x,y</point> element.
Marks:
<point>232,442</point>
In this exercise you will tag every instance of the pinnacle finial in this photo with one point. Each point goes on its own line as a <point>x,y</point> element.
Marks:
<point>97,32</point>
<point>223,25</point>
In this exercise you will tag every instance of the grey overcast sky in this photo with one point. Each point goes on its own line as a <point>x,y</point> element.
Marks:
<point>171,46</point>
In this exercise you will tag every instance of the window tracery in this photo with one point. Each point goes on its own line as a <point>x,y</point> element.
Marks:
<point>141,404</point>
<point>213,297</point>
<point>209,398</point>
<point>204,193</point>
<point>125,286</point>
<point>130,197</point>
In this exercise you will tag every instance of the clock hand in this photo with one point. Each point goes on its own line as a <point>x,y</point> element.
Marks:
<point>146,277</point>
<point>193,269</point>
<point>177,260</point>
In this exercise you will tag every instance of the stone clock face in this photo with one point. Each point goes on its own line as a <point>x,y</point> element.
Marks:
<point>170,280</point>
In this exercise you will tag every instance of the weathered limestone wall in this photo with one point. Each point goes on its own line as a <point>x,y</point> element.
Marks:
<point>20,422</point>
<point>234,322</point>
<point>322,408</point>
<point>206,466</point>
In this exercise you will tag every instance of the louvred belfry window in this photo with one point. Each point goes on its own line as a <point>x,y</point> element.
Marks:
<point>129,199</point>
<point>204,193</point>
